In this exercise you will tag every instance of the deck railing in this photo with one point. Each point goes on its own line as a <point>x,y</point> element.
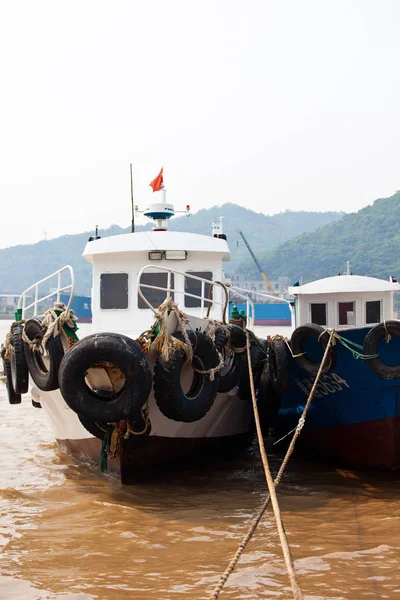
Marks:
<point>24,297</point>
<point>202,297</point>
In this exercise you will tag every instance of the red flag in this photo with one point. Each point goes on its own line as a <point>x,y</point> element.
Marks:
<point>158,182</point>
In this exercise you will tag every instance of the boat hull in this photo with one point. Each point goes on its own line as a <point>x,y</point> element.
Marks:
<point>225,430</point>
<point>354,417</point>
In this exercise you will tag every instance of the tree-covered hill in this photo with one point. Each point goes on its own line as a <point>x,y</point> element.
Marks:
<point>369,239</point>
<point>21,266</point>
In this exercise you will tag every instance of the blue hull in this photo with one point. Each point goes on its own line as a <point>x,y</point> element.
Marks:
<point>354,415</point>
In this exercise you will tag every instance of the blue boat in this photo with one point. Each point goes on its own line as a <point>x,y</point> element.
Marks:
<point>270,314</point>
<point>354,416</point>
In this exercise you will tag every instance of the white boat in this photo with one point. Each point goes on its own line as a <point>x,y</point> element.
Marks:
<point>137,402</point>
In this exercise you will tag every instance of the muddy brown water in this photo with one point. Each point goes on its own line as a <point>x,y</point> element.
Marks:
<point>69,532</point>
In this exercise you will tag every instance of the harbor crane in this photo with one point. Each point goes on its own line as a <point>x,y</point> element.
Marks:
<point>263,275</point>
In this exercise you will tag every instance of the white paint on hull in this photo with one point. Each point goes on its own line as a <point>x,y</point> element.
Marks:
<point>229,415</point>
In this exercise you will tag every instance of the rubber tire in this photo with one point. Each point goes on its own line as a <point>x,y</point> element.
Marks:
<point>258,358</point>
<point>45,379</point>
<point>268,400</point>
<point>19,368</point>
<point>195,404</point>
<point>118,350</point>
<point>278,366</point>
<point>13,397</point>
<point>299,335</point>
<point>231,378</point>
<point>371,342</point>
<point>99,429</point>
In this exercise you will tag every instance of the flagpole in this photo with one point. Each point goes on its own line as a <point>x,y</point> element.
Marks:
<point>133,208</point>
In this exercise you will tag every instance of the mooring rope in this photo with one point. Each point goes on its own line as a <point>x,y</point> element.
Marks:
<point>224,577</point>
<point>297,593</point>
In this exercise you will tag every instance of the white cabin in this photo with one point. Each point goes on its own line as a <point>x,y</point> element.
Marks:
<point>344,301</point>
<point>118,261</point>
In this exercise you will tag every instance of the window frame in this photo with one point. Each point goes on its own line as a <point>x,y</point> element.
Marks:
<point>107,273</point>
<point>326,313</point>
<point>141,305</point>
<point>343,326</point>
<point>380,312</point>
<point>207,302</point>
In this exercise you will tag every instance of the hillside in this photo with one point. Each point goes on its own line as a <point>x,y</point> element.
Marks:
<point>20,266</point>
<point>369,239</point>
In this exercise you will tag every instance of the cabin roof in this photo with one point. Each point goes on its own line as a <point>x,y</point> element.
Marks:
<point>144,241</point>
<point>345,283</point>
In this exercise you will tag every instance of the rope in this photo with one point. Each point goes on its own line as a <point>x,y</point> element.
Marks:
<point>52,325</point>
<point>146,418</point>
<point>211,372</point>
<point>297,593</point>
<point>388,337</point>
<point>256,340</point>
<point>278,478</point>
<point>165,342</point>
<point>210,302</point>
<point>105,448</point>
<point>349,345</point>
<point>8,342</point>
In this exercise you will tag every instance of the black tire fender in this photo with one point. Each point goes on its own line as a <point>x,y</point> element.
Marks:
<point>299,336</point>
<point>45,378</point>
<point>105,407</point>
<point>194,404</point>
<point>19,368</point>
<point>237,360</point>
<point>258,355</point>
<point>278,365</point>
<point>371,343</point>
<point>99,430</point>
<point>13,397</point>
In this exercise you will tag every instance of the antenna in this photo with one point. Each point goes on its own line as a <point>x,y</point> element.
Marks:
<point>133,208</point>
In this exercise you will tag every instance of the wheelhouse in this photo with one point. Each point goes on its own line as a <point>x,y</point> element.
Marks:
<point>344,301</point>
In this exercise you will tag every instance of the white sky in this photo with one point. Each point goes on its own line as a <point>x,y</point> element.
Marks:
<point>271,105</point>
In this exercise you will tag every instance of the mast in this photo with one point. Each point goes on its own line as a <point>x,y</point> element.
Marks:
<point>133,208</point>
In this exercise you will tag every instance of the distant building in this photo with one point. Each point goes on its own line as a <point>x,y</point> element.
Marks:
<point>279,285</point>
<point>8,302</point>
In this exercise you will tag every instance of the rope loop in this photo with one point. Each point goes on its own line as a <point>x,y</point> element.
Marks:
<point>211,372</point>
<point>388,337</point>
<point>166,344</point>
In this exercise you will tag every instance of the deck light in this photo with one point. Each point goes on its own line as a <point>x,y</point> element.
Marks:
<point>155,255</point>
<point>175,254</point>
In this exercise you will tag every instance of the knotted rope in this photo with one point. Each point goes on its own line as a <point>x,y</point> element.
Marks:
<point>8,342</point>
<point>297,593</point>
<point>165,342</point>
<point>52,324</point>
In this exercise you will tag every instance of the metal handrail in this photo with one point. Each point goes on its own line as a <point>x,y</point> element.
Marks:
<point>204,301</point>
<point>35,286</point>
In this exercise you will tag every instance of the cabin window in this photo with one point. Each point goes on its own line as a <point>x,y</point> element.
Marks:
<point>346,313</point>
<point>318,313</point>
<point>155,297</point>
<point>373,311</point>
<point>113,290</point>
<point>193,286</point>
